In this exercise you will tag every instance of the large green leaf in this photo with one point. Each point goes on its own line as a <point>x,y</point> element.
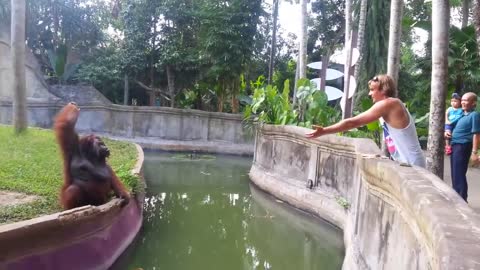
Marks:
<point>374,126</point>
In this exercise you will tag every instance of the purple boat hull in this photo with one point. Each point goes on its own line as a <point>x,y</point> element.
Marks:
<point>83,238</point>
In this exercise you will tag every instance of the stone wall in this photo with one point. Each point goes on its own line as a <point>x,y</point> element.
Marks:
<point>393,217</point>
<point>36,88</point>
<point>152,127</point>
<point>81,94</point>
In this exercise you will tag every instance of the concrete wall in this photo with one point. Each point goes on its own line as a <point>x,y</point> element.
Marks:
<point>152,127</point>
<point>393,217</point>
<point>35,84</point>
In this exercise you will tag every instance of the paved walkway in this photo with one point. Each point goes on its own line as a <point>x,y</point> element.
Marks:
<point>473,178</point>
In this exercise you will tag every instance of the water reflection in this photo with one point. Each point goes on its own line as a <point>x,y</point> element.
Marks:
<point>204,215</point>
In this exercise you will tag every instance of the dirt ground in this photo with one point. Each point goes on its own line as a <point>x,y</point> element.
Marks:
<point>8,198</point>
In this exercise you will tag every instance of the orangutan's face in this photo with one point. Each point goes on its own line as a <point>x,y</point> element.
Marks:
<point>94,147</point>
<point>101,148</point>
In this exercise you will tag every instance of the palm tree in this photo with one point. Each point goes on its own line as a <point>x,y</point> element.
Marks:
<point>465,12</point>
<point>476,21</point>
<point>375,49</point>
<point>347,111</point>
<point>440,28</point>
<point>125,89</point>
<point>394,38</point>
<point>274,41</point>
<point>360,46</point>
<point>361,36</point>
<point>302,64</point>
<point>301,71</point>
<point>17,50</point>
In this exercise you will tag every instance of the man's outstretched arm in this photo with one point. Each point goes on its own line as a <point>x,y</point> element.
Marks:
<point>372,114</point>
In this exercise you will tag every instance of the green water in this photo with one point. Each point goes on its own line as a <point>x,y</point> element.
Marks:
<point>202,214</point>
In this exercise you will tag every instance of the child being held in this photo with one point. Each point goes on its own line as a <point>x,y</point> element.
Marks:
<point>451,117</point>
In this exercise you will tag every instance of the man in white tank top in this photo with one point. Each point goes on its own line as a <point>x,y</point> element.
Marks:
<point>399,128</point>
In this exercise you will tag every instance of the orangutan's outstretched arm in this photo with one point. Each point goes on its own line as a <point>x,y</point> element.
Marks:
<point>64,127</point>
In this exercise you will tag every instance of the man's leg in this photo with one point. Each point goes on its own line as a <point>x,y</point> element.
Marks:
<point>459,165</point>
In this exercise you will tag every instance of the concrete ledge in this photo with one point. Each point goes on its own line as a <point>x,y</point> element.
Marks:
<point>88,237</point>
<point>293,192</point>
<point>393,217</point>
<point>188,146</point>
<point>152,127</point>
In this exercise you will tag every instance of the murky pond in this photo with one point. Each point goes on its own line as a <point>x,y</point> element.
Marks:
<point>201,213</point>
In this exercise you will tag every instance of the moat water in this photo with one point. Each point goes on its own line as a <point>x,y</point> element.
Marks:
<point>201,213</point>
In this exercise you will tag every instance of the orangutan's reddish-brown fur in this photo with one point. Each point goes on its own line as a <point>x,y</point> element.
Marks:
<point>88,179</point>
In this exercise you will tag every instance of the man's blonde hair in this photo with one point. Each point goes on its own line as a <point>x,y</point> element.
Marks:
<point>386,84</point>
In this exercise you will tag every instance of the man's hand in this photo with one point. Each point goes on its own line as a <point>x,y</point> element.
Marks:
<point>317,133</point>
<point>448,135</point>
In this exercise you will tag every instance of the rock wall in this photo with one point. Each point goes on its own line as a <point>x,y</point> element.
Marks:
<point>393,217</point>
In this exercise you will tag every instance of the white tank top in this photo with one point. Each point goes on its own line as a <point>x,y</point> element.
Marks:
<point>403,144</point>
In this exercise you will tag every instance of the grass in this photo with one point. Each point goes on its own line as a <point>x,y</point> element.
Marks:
<point>31,163</point>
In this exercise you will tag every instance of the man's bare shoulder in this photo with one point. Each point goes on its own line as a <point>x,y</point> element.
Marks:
<point>388,103</point>
<point>387,107</point>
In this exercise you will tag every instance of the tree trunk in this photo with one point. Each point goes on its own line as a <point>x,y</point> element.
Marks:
<point>459,81</point>
<point>303,41</point>
<point>151,98</point>
<point>348,104</point>
<point>440,26</point>
<point>56,24</point>
<point>360,43</point>
<point>465,12</point>
<point>297,77</point>
<point>153,95</point>
<point>394,39</point>
<point>323,71</point>
<point>234,101</point>
<point>346,111</point>
<point>171,85</point>
<point>235,105</point>
<point>476,21</point>
<point>361,36</point>
<point>17,50</point>
<point>274,42</point>
<point>125,90</point>
<point>220,101</point>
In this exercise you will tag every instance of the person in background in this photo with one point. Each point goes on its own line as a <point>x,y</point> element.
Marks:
<point>465,143</point>
<point>399,127</point>
<point>452,115</point>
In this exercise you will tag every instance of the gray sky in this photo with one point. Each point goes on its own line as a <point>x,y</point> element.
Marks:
<point>289,17</point>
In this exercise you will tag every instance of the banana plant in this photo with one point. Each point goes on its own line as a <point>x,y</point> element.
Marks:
<point>313,106</point>
<point>269,106</point>
<point>63,68</point>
